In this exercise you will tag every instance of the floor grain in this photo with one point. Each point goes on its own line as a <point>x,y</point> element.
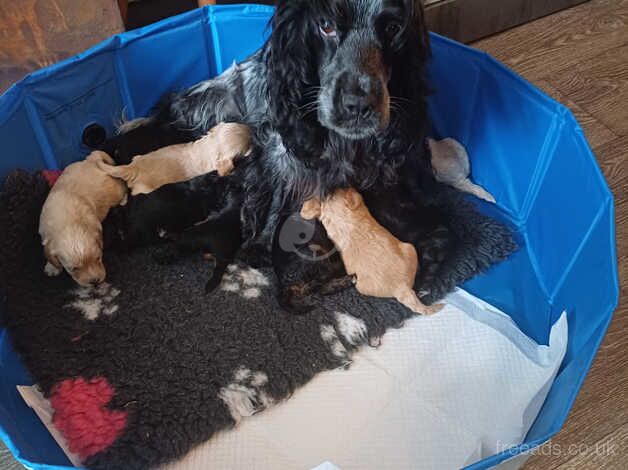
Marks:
<point>580,57</point>
<point>558,41</point>
<point>597,133</point>
<point>599,85</point>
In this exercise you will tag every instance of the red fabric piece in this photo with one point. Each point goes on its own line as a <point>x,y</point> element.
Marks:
<point>82,416</point>
<point>51,176</point>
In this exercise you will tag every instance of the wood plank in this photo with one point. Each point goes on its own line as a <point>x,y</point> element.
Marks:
<point>37,33</point>
<point>600,87</point>
<point>613,159</point>
<point>7,462</point>
<point>551,44</point>
<point>600,409</point>
<point>123,5</point>
<point>597,133</point>
<point>609,453</point>
<point>468,20</point>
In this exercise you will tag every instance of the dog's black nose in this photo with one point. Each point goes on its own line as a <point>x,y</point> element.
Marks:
<point>355,105</point>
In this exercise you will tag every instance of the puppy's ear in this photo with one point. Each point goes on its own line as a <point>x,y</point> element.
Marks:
<point>311,209</point>
<point>353,198</point>
<point>50,256</point>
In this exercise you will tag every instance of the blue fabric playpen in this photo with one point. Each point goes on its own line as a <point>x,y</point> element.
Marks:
<point>526,149</point>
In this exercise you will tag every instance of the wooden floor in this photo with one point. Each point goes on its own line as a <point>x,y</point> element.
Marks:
<point>580,57</point>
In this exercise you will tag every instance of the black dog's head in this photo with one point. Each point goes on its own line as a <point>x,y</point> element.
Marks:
<point>345,66</point>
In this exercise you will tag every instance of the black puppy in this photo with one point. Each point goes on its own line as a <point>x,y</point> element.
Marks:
<point>306,263</point>
<point>200,215</point>
<point>143,136</point>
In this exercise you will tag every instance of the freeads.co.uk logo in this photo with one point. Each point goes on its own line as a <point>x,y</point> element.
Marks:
<point>296,235</point>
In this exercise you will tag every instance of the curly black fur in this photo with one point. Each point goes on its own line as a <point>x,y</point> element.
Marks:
<point>166,351</point>
<point>303,153</point>
<point>272,90</point>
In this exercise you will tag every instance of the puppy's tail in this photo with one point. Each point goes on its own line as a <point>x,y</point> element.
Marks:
<point>128,173</point>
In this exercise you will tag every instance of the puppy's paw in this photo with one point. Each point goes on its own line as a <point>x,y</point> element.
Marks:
<point>432,309</point>
<point>337,285</point>
<point>139,187</point>
<point>225,166</point>
<point>51,270</point>
<point>295,302</point>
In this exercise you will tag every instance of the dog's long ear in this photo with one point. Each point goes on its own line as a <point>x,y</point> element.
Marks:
<point>422,31</point>
<point>292,71</point>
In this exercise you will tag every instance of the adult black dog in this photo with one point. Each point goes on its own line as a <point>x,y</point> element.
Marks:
<point>336,98</point>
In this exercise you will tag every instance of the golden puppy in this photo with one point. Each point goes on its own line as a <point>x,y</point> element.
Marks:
<point>177,163</point>
<point>70,224</point>
<point>383,266</point>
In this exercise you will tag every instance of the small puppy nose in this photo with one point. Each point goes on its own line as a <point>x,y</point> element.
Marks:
<point>356,105</point>
<point>95,281</point>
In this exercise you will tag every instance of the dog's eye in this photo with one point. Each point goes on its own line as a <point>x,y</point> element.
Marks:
<point>327,29</point>
<point>392,30</point>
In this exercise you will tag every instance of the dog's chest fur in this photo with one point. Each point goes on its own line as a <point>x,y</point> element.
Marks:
<point>342,163</point>
<point>243,93</point>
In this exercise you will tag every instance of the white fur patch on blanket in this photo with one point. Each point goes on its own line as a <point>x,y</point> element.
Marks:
<point>446,390</point>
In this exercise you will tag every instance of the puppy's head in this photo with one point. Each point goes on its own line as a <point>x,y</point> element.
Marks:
<point>99,156</point>
<point>311,209</point>
<point>342,201</point>
<point>78,250</point>
<point>348,199</point>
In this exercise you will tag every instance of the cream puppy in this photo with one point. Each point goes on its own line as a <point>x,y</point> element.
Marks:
<point>215,151</point>
<point>450,162</point>
<point>382,265</point>
<point>70,224</point>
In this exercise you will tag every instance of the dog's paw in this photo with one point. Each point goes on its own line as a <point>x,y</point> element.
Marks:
<point>429,297</point>
<point>51,270</point>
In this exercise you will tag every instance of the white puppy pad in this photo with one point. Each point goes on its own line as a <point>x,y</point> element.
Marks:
<point>441,393</point>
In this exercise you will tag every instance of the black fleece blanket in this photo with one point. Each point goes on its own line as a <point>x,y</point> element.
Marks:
<point>172,365</point>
